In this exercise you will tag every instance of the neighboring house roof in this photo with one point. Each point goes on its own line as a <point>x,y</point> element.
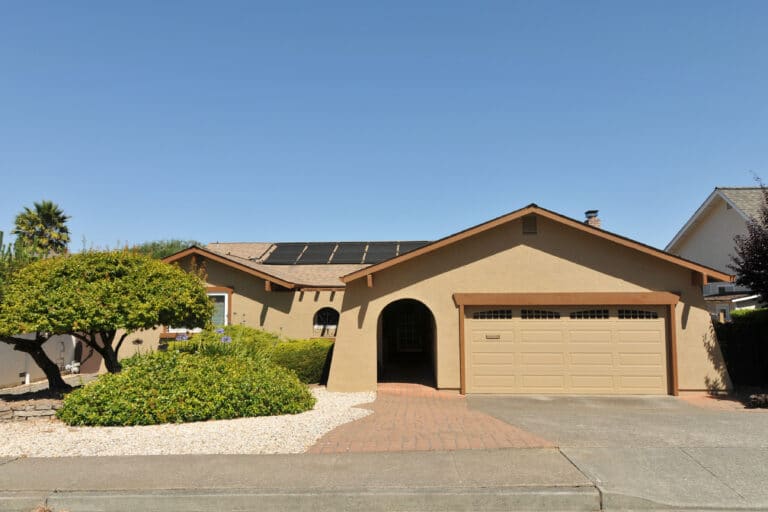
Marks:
<point>556,217</point>
<point>746,201</point>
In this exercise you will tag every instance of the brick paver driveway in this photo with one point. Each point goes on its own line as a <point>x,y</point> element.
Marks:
<point>409,417</point>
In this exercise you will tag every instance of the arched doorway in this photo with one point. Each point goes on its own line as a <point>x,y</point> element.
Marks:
<point>406,345</point>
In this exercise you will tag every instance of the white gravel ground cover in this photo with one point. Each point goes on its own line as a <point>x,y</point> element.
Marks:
<point>272,434</point>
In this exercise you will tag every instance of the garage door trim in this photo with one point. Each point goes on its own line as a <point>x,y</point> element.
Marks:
<point>667,299</point>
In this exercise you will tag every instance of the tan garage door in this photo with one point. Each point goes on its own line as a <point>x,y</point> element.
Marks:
<point>575,350</point>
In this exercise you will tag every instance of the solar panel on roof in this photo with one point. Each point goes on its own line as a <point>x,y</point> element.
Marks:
<point>380,251</point>
<point>317,253</point>
<point>285,254</point>
<point>349,252</point>
<point>410,246</point>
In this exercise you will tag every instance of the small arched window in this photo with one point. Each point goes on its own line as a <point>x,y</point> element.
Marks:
<point>325,323</point>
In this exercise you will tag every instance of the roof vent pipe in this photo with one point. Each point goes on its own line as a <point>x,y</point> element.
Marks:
<point>591,218</point>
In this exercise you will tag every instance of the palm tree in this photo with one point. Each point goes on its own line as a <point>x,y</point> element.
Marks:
<point>43,228</point>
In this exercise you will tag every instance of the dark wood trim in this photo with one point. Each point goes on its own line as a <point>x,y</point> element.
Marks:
<point>672,350</point>
<point>267,286</point>
<point>462,353</point>
<point>566,299</point>
<point>533,209</point>
<point>369,280</point>
<point>320,289</point>
<point>226,261</point>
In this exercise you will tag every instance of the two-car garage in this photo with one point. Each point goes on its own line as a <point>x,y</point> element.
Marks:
<point>592,348</point>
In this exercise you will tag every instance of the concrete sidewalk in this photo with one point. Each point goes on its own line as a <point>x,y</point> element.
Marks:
<point>506,479</point>
<point>523,479</point>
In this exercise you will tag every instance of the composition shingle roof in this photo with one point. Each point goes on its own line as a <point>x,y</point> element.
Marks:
<point>251,255</point>
<point>747,199</point>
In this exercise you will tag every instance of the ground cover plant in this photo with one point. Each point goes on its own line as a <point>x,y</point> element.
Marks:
<point>177,386</point>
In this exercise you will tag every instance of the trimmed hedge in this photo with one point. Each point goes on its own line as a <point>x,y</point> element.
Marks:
<point>744,343</point>
<point>309,359</point>
<point>176,387</point>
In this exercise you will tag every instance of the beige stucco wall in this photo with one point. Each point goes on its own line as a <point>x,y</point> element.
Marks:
<point>557,259</point>
<point>289,314</point>
<point>710,241</point>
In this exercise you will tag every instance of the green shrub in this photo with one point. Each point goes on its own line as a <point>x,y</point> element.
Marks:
<point>744,343</point>
<point>308,358</point>
<point>176,387</point>
<point>232,340</point>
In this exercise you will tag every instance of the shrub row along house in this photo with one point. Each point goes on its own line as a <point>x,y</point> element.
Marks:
<point>530,302</point>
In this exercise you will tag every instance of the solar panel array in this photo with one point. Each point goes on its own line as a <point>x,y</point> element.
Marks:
<point>321,253</point>
<point>349,252</point>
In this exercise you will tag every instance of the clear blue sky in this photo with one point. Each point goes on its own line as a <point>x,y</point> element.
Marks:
<point>307,121</point>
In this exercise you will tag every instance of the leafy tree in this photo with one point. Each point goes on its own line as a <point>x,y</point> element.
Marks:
<point>43,228</point>
<point>12,257</point>
<point>750,261</point>
<point>159,249</point>
<point>94,296</point>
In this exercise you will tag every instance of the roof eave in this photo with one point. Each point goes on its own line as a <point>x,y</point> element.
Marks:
<point>195,250</point>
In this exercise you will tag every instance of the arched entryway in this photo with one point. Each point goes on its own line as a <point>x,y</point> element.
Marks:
<point>406,344</point>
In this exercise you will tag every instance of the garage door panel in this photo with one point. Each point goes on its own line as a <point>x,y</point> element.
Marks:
<point>595,358</point>
<point>542,358</point>
<point>592,336</point>
<point>541,336</point>
<point>492,369</point>
<point>496,383</point>
<point>590,382</point>
<point>539,382</point>
<point>507,358</point>
<point>640,359</point>
<point>641,382</point>
<point>570,354</point>
<point>639,336</point>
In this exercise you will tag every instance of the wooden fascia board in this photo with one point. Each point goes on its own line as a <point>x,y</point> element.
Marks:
<point>626,242</point>
<point>566,299</point>
<point>225,261</point>
<point>311,288</point>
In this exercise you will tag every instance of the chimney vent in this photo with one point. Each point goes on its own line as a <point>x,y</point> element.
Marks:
<point>592,218</point>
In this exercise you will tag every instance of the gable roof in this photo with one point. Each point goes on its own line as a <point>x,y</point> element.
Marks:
<point>234,255</point>
<point>556,217</point>
<point>746,201</point>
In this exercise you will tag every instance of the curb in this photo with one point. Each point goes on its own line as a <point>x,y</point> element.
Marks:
<point>563,499</point>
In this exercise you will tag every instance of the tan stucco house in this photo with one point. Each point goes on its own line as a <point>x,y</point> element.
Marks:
<point>529,302</point>
<point>708,237</point>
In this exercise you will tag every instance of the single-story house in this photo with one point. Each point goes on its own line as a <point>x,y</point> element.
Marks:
<point>529,302</point>
<point>708,237</point>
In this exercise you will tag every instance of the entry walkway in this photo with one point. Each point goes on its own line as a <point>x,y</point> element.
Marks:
<point>413,417</point>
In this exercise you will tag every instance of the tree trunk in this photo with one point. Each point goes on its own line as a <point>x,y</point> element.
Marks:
<point>110,359</point>
<point>53,374</point>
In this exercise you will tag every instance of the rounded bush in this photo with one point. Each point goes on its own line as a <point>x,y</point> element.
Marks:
<point>308,358</point>
<point>174,387</point>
